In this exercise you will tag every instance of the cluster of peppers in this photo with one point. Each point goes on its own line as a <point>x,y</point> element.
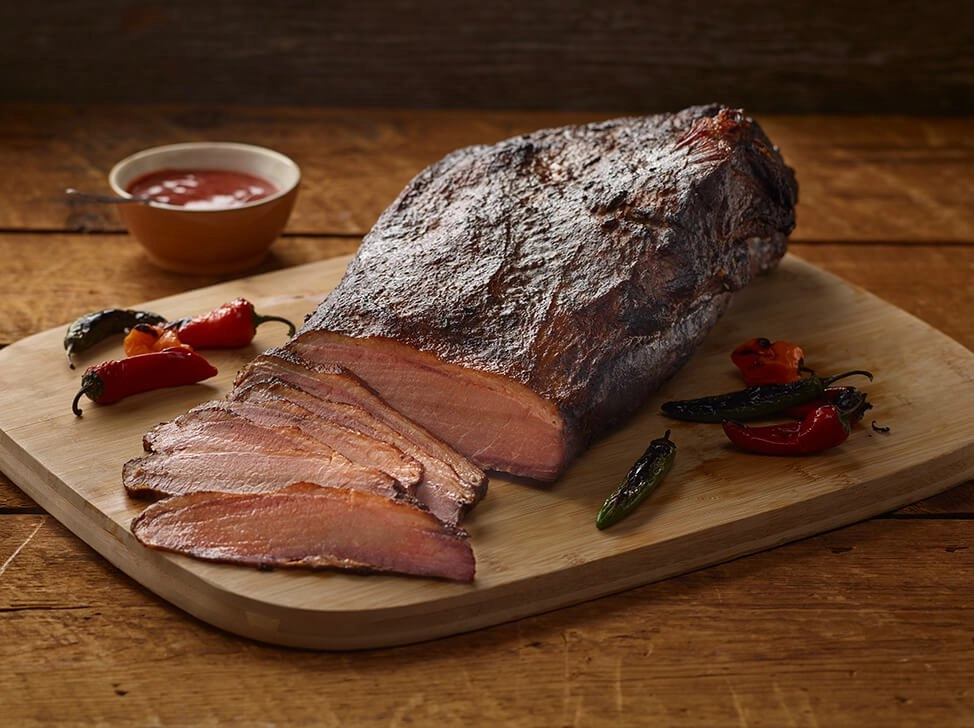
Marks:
<point>777,384</point>
<point>158,353</point>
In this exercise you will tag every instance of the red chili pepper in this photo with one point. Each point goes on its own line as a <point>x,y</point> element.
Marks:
<point>111,381</point>
<point>232,325</point>
<point>823,428</point>
<point>763,361</point>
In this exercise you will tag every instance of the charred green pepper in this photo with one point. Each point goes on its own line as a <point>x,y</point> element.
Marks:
<point>95,327</point>
<point>755,402</point>
<point>643,478</point>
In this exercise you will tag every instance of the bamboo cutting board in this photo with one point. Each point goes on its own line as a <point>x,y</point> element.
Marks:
<point>536,546</point>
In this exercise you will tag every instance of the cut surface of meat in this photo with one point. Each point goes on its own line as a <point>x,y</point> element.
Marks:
<point>518,299</point>
<point>484,409</point>
<point>274,424</point>
<point>310,526</point>
<point>451,484</point>
<point>193,470</point>
<point>214,427</point>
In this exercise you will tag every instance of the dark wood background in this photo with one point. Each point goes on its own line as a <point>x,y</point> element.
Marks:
<point>789,57</point>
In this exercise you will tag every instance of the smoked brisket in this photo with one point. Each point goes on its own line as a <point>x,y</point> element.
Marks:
<point>518,299</point>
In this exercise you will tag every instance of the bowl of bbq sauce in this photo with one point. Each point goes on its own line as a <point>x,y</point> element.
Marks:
<point>206,207</point>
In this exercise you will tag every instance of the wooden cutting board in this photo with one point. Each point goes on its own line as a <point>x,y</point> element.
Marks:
<point>536,546</point>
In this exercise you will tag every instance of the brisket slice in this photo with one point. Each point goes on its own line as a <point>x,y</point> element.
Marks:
<point>518,299</point>
<point>247,471</point>
<point>450,485</point>
<point>311,526</point>
<point>278,423</point>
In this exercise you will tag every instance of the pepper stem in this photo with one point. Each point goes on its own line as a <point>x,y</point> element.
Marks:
<point>836,377</point>
<point>261,319</point>
<point>77,398</point>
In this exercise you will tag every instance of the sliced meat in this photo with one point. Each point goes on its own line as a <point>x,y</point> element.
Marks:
<point>279,424</point>
<point>440,488</point>
<point>215,427</point>
<point>196,469</point>
<point>355,444</point>
<point>311,526</point>
<point>451,484</point>
<point>518,299</point>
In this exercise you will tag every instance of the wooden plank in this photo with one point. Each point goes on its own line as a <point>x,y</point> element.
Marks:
<point>571,54</point>
<point>957,502</point>
<point>868,625</point>
<point>534,550</point>
<point>354,162</point>
<point>881,179</point>
<point>863,179</point>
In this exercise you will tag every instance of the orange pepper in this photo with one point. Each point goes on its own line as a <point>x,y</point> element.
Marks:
<point>763,361</point>
<point>146,338</point>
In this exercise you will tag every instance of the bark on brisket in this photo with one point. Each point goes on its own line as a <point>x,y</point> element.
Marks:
<point>584,263</point>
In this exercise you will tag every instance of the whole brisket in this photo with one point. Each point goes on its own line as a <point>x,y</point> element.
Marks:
<point>517,299</point>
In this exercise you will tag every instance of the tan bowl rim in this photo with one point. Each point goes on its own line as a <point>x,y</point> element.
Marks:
<point>119,166</point>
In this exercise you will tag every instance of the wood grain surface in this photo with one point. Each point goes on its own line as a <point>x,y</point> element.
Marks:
<point>882,57</point>
<point>866,625</point>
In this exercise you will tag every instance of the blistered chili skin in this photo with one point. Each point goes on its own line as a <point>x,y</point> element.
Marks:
<point>229,326</point>
<point>850,401</point>
<point>643,478</point>
<point>761,400</point>
<point>762,361</point>
<point>94,328</point>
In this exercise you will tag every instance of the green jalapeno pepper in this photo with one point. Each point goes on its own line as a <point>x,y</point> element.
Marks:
<point>643,478</point>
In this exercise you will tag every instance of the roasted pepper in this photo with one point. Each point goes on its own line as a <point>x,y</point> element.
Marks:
<point>848,399</point>
<point>95,327</point>
<point>823,428</point>
<point>752,403</point>
<point>232,325</point>
<point>762,361</point>
<point>111,381</point>
<point>146,338</point>
<point>643,478</point>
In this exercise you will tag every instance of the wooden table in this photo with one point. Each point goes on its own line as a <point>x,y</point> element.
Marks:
<point>872,624</point>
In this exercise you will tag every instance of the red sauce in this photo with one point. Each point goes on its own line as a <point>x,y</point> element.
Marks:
<point>202,189</point>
